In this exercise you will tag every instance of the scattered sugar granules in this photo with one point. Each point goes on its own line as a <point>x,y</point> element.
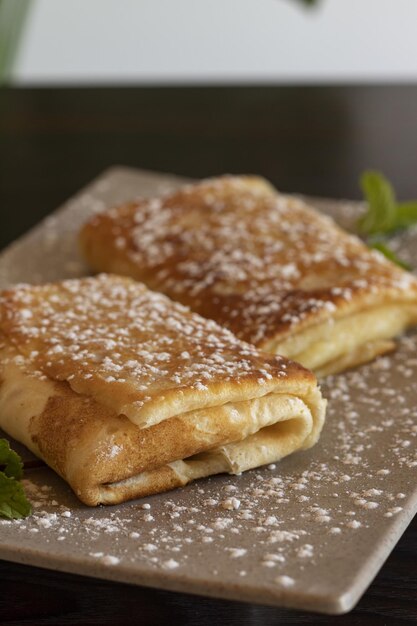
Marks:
<point>287,515</point>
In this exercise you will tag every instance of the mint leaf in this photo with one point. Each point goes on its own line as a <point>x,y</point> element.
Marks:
<point>384,215</point>
<point>13,502</point>
<point>406,214</point>
<point>380,217</point>
<point>389,254</point>
<point>11,460</point>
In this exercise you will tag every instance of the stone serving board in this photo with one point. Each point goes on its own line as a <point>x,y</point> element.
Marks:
<point>310,532</point>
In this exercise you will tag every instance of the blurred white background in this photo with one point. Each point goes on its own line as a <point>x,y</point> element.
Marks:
<point>217,41</point>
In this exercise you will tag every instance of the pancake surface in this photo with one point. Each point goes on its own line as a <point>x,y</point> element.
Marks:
<point>126,393</point>
<point>268,267</point>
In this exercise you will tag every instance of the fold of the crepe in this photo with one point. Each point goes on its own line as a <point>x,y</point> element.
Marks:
<point>125,393</point>
<point>268,267</point>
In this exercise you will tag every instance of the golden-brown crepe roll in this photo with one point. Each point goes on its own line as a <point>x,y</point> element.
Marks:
<point>125,393</point>
<point>268,267</point>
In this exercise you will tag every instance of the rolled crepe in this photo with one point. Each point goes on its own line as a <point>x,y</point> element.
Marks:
<point>268,267</point>
<point>125,393</point>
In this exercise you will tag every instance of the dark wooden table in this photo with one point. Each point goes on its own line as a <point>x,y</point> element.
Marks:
<point>313,140</point>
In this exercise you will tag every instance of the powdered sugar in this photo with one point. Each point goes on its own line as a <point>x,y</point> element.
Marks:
<point>285,581</point>
<point>257,262</point>
<point>264,522</point>
<point>192,528</point>
<point>113,332</point>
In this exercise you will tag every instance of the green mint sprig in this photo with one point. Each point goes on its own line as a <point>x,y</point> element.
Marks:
<point>384,216</point>
<point>389,254</point>
<point>13,501</point>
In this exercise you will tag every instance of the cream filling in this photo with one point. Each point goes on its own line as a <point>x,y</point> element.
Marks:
<point>363,354</point>
<point>320,347</point>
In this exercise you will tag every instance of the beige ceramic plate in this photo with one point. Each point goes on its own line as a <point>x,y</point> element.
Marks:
<point>310,532</point>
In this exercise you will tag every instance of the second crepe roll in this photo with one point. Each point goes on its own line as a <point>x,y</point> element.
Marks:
<point>273,270</point>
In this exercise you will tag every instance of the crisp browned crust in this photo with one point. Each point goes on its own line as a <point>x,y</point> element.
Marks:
<point>120,390</point>
<point>264,265</point>
<point>136,351</point>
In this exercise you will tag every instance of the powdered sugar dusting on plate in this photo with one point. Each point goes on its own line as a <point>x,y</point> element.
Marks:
<point>273,524</point>
<point>294,520</point>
